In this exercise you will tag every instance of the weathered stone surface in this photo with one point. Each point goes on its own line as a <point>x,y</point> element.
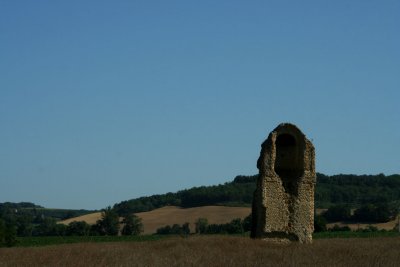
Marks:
<point>283,203</point>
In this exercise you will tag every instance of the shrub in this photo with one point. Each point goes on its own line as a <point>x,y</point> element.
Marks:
<point>337,213</point>
<point>337,228</point>
<point>319,224</point>
<point>76,228</point>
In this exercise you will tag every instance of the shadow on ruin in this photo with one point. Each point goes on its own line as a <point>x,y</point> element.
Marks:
<point>283,203</point>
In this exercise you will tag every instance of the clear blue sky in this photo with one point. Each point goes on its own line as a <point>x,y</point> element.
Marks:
<point>104,101</point>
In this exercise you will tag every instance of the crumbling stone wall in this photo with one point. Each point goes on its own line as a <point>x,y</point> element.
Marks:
<point>283,203</point>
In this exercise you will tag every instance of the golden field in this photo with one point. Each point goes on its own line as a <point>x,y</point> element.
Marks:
<point>169,215</point>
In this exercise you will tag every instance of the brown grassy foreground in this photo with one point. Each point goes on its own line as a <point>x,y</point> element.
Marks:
<point>210,251</point>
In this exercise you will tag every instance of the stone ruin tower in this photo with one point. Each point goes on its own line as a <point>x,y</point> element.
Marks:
<point>283,203</point>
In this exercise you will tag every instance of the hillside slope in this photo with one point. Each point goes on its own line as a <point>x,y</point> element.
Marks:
<point>88,218</point>
<point>169,215</point>
<point>353,190</point>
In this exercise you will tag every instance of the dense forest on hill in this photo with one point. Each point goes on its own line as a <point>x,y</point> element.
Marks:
<point>356,190</point>
<point>348,189</point>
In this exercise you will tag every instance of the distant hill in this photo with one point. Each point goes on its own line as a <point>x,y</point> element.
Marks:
<point>239,192</point>
<point>19,205</point>
<point>36,211</point>
<point>224,202</point>
<point>169,215</point>
<point>353,190</point>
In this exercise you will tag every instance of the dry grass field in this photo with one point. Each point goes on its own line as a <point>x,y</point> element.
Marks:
<point>152,220</point>
<point>169,215</point>
<point>89,218</point>
<point>210,251</point>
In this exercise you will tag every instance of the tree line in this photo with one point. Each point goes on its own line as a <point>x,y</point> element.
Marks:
<point>373,198</point>
<point>36,211</point>
<point>13,225</point>
<point>356,190</point>
<point>352,190</point>
<point>236,226</point>
<point>367,213</point>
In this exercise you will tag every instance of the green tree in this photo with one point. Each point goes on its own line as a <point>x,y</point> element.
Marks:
<point>337,213</point>
<point>319,223</point>
<point>165,230</point>
<point>96,229</point>
<point>175,229</point>
<point>185,229</point>
<point>132,225</point>
<point>2,232</point>
<point>49,227</point>
<point>396,228</point>
<point>78,228</point>
<point>374,213</point>
<point>337,228</point>
<point>247,223</point>
<point>24,225</point>
<point>109,222</point>
<point>235,226</point>
<point>8,234</point>
<point>384,212</point>
<point>216,229</point>
<point>201,225</point>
